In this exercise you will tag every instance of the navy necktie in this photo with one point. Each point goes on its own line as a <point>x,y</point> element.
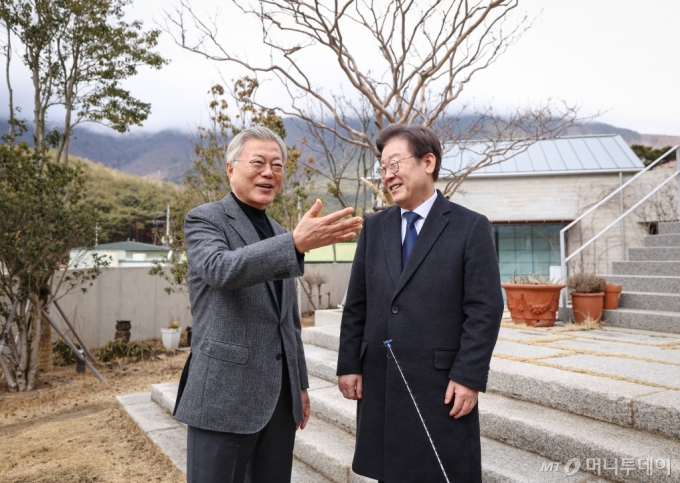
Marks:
<point>410,238</point>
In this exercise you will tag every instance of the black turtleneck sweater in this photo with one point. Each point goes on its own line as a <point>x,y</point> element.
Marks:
<point>264,229</point>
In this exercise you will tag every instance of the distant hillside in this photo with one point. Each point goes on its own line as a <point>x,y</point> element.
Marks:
<point>130,207</point>
<point>166,155</point>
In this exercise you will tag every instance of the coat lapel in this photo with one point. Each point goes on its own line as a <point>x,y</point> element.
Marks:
<point>245,229</point>
<point>429,233</point>
<point>288,286</point>
<point>391,229</point>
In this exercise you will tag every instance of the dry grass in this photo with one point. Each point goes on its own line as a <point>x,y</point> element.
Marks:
<point>70,430</point>
<point>588,324</point>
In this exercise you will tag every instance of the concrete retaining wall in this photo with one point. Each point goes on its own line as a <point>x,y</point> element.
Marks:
<point>130,293</point>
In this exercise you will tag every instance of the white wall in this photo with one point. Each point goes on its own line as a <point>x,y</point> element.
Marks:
<point>124,294</point>
<point>130,293</point>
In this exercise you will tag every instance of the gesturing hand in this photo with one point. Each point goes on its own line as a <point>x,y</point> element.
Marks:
<point>314,232</point>
<point>351,386</point>
<point>465,400</point>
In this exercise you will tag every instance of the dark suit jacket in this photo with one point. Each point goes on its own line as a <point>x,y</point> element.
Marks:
<point>239,332</point>
<point>442,314</point>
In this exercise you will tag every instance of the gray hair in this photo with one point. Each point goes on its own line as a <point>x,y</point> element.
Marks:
<point>256,132</point>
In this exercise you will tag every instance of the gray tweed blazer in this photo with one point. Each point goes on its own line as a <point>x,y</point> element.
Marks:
<point>234,376</point>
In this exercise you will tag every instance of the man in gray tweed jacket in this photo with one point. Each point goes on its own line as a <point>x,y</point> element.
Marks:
<point>243,392</point>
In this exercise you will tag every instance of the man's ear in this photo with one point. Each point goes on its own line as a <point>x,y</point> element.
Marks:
<point>430,163</point>
<point>230,169</point>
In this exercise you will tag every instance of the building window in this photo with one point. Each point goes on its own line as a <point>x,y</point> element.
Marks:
<point>527,248</point>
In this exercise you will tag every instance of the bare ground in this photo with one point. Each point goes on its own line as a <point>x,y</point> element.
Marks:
<point>70,430</point>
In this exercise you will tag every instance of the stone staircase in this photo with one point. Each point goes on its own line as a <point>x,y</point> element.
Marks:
<point>535,416</point>
<point>556,400</point>
<point>651,284</point>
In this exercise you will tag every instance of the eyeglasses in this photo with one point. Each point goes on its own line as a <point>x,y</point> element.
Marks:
<point>393,166</point>
<point>259,166</point>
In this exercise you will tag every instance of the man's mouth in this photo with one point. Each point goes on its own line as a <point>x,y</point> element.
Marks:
<point>265,186</point>
<point>394,187</point>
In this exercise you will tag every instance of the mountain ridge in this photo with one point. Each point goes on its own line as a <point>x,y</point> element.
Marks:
<point>166,155</point>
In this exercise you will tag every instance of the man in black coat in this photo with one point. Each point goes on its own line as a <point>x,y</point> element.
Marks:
<point>425,276</point>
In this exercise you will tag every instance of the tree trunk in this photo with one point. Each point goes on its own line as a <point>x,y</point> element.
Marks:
<point>45,356</point>
<point>35,349</point>
<point>10,134</point>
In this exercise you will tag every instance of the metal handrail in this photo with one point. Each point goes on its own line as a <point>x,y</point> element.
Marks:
<point>563,255</point>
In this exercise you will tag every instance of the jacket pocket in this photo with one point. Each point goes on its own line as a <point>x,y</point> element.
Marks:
<point>364,344</point>
<point>443,358</point>
<point>238,354</point>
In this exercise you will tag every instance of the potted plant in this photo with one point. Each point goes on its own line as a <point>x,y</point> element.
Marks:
<point>612,293</point>
<point>170,335</point>
<point>533,299</point>
<point>587,296</point>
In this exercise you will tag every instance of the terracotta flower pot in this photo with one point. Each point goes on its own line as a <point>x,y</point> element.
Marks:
<point>612,292</point>
<point>587,305</point>
<point>534,305</point>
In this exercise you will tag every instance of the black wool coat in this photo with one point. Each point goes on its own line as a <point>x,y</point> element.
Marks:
<point>442,313</point>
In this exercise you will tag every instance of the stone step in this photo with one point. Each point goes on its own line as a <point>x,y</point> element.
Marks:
<point>638,283</point>
<point>662,240</point>
<point>321,362</point>
<point>654,254</point>
<point>665,302</point>
<point>154,419</point>
<point>329,450</point>
<point>644,407</point>
<point>643,320</point>
<point>667,269</point>
<point>562,436</point>
<point>669,228</point>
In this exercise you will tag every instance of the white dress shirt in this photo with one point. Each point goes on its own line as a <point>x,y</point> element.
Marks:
<point>423,210</point>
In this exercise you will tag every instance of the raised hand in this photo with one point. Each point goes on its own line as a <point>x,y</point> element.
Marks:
<point>313,231</point>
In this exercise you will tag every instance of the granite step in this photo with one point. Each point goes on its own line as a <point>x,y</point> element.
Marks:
<point>647,283</point>
<point>667,269</point>
<point>664,302</point>
<point>654,254</point>
<point>330,450</point>
<point>562,436</point>
<point>646,407</point>
<point>662,240</point>
<point>669,228</point>
<point>171,436</point>
<point>644,320</point>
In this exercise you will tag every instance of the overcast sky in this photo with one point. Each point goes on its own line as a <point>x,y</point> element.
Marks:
<point>618,56</point>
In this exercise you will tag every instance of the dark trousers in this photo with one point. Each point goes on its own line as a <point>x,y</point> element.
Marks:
<point>263,457</point>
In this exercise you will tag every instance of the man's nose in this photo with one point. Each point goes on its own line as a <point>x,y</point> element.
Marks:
<point>267,172</point>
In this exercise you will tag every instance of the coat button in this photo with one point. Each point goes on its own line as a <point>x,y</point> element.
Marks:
<point>278,356</point>
<point>395,309</point>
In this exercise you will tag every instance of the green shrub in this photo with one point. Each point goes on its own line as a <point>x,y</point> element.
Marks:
<point>132,351</point>
<point>63,355</point>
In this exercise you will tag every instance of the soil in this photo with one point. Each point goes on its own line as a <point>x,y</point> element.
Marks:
<point>70,429</point>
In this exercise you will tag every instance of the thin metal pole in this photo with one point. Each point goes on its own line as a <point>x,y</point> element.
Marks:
<point>623,222</point>
<point>388,344</point>
<point>71,346</point>
<point>74,331</point>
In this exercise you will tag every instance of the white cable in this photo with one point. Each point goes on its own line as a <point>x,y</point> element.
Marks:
<point>389,347</point>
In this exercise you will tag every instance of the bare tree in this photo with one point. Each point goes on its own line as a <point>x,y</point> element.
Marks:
<point>422,55</point>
